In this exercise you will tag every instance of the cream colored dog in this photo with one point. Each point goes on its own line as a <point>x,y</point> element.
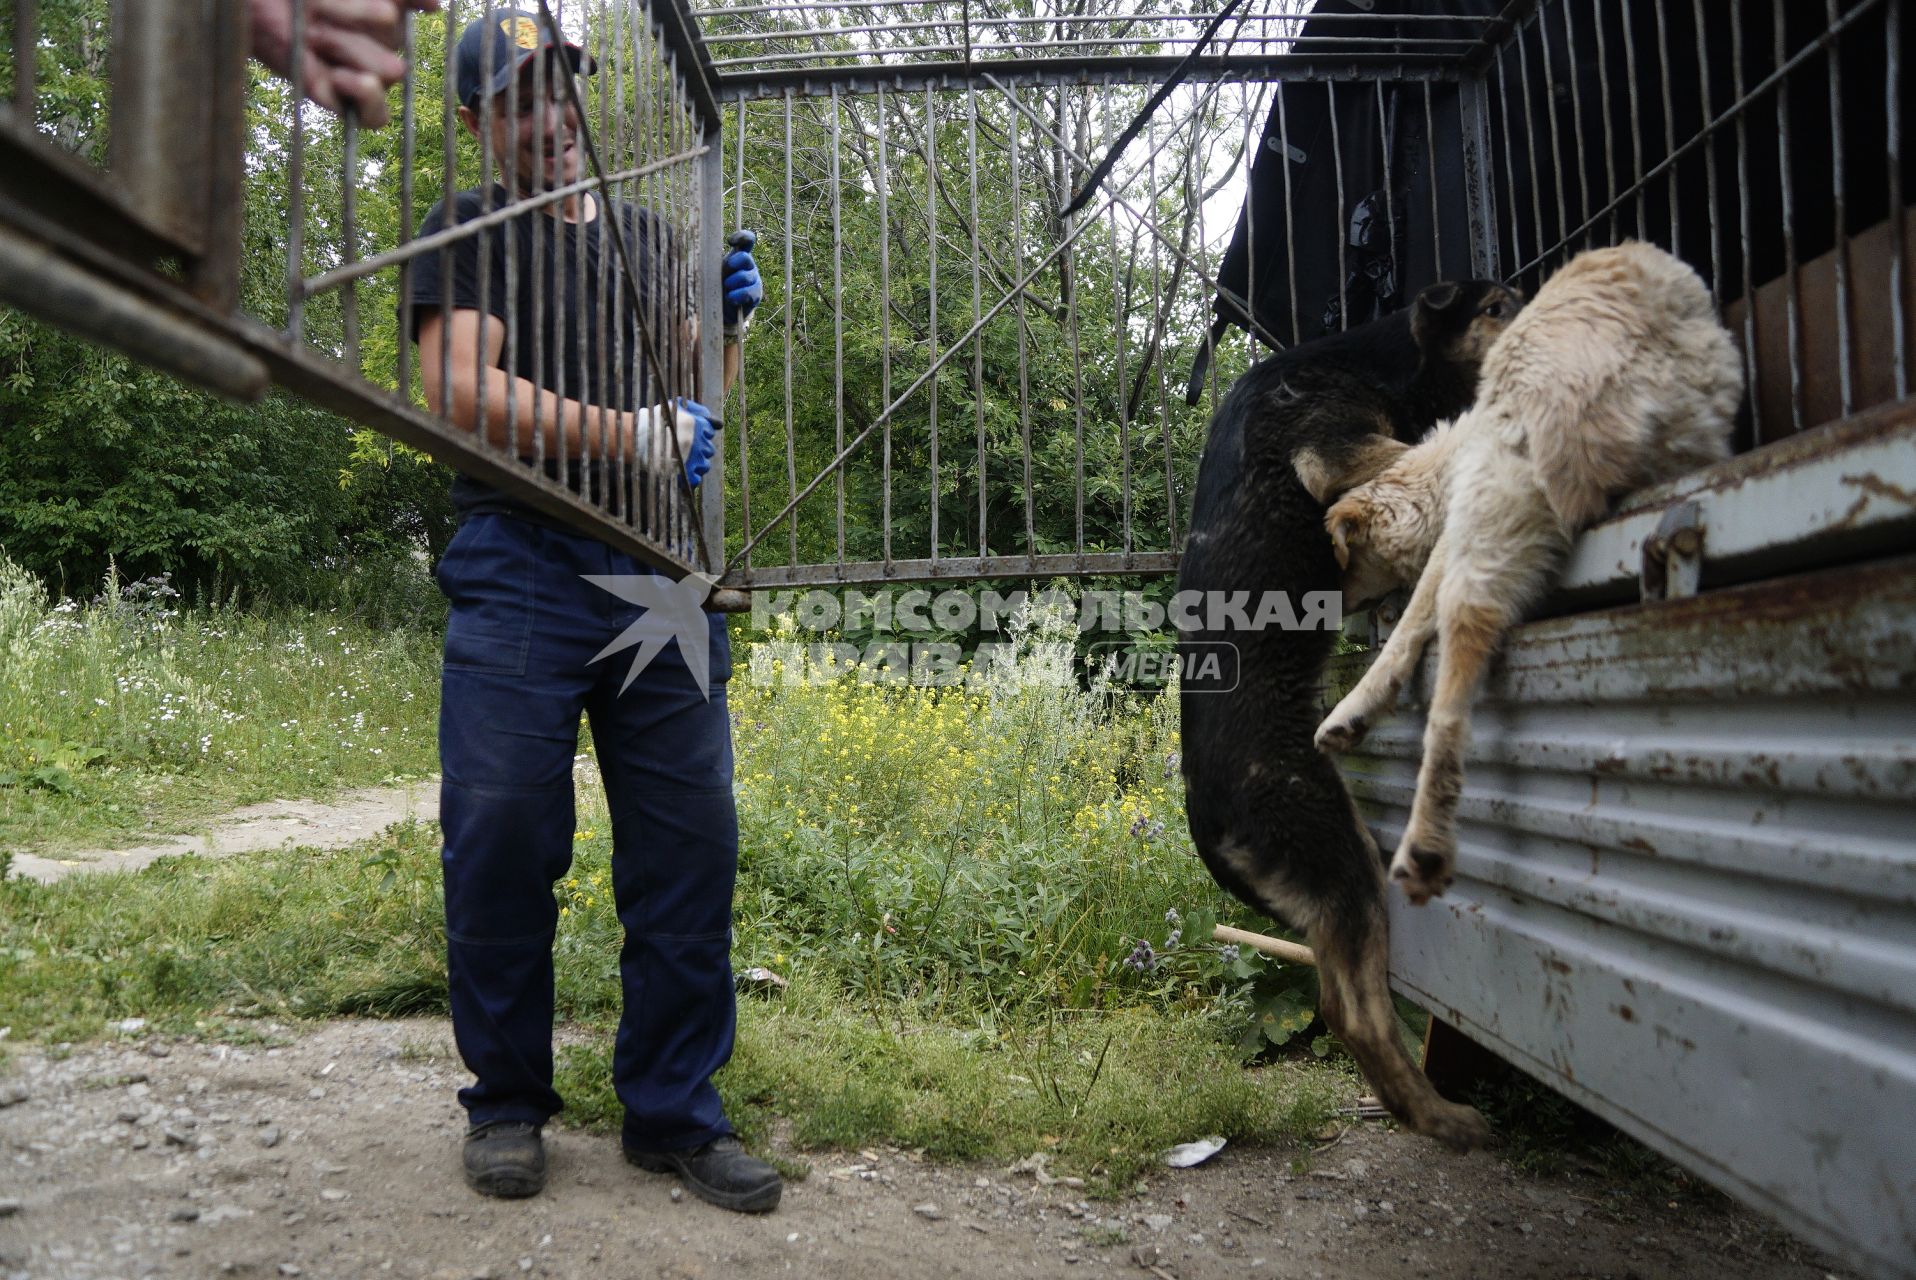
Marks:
<point>1617,375</point>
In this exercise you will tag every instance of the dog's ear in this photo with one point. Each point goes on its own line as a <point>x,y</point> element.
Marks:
<point>1316,474</point>
<point>1439,297</point>
<point>1346,521</point>
<point>1429,310</point>
<point>1325,479</point>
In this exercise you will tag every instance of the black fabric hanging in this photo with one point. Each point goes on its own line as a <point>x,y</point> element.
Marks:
<point>1528,164</point>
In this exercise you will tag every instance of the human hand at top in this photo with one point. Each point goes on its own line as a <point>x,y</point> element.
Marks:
<point>348,60</point>
<point>743,287</point>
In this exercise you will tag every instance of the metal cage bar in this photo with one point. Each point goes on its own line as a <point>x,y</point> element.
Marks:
<point>1532,91</point>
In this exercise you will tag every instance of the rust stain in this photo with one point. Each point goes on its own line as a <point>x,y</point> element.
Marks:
<point>1875,484</point>
<point>1625,1012</point>
<point>1640,845</point>
<point>1828,594</point>
<point>1555,964</point>
<point>1856,509</point>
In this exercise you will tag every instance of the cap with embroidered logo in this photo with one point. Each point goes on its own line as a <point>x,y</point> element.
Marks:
<point>493,48</point>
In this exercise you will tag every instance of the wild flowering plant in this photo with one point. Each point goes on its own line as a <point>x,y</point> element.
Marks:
<point>108,702</point>
<point>1264,1002</point>
<point>995,840</point>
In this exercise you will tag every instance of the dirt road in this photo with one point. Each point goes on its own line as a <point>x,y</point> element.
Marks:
<point>274,824</point>
<point>335,1155</point>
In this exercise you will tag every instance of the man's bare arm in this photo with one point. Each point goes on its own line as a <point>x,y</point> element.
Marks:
<point>607,431</point>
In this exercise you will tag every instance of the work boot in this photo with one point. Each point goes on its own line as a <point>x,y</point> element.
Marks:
<point>720,1172</point>
<point>506,1158</point>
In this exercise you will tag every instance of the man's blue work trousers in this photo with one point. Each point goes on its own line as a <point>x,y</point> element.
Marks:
<point>520,642</point>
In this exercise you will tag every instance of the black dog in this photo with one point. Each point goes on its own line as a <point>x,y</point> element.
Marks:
<point>1269,813</point>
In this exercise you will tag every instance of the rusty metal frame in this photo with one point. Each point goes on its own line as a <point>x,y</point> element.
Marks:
<point>170,195</point>
<point>144,256</point>
<point>1686,882</point>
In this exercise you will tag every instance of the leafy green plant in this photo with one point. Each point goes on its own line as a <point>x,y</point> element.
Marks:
<point>1265,1002</point>
<point>51,764</point>
<point>113,702</point>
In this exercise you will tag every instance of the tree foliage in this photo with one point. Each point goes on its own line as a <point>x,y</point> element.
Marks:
<point>106,462</point>
<point>877,272</point>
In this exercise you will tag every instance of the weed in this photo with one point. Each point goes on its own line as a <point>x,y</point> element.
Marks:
<point>127,715</point>
<point>950,880</point>
<point>840,1083</point>
<point>411,1050</point>
<point>188,944</point>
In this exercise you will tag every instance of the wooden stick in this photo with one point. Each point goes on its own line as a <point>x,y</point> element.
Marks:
<point>1260,942</point>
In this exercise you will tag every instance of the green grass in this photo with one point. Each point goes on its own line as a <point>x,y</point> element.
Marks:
<point>125,716</point>
<point>190,944</point>
<point>211,948</point>
<point>964,845</point>
<point>957,884</point>
<point>1102,1094</point>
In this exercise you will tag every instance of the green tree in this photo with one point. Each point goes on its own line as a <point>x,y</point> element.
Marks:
<point>103,461</point>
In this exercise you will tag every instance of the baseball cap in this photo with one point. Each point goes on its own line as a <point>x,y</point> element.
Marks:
<point>515,36</point>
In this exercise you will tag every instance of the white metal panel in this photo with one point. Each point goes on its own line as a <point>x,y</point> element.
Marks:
<point>1839,490</point>
<point>1686,887</point>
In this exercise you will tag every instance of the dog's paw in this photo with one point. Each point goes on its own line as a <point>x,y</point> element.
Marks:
<point>1423,869</point>
<point>1340,733</point>
<point>1458,1127</point>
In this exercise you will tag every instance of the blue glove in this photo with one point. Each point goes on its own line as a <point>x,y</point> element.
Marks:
<point>698,455</point>
<point>743,288</point>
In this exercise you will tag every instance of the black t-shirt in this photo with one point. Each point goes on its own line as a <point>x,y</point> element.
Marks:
<point>573,270</point>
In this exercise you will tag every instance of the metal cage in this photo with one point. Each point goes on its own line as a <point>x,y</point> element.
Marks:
<point>1388,145</point>
<point>1378,147</point>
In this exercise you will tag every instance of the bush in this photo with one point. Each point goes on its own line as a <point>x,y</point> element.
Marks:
<point>233,502</point>
<point>972,849</point>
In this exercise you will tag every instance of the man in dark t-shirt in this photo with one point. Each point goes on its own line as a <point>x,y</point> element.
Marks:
<point>540,289</point>
<point>524,338</point>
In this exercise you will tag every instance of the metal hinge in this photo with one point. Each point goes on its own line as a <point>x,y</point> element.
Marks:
<point>1673,555</point>
<point>1290,150</point>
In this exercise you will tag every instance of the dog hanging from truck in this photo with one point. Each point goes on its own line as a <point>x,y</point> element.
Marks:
<point>1617,375</point>
<point>1268,812</point>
